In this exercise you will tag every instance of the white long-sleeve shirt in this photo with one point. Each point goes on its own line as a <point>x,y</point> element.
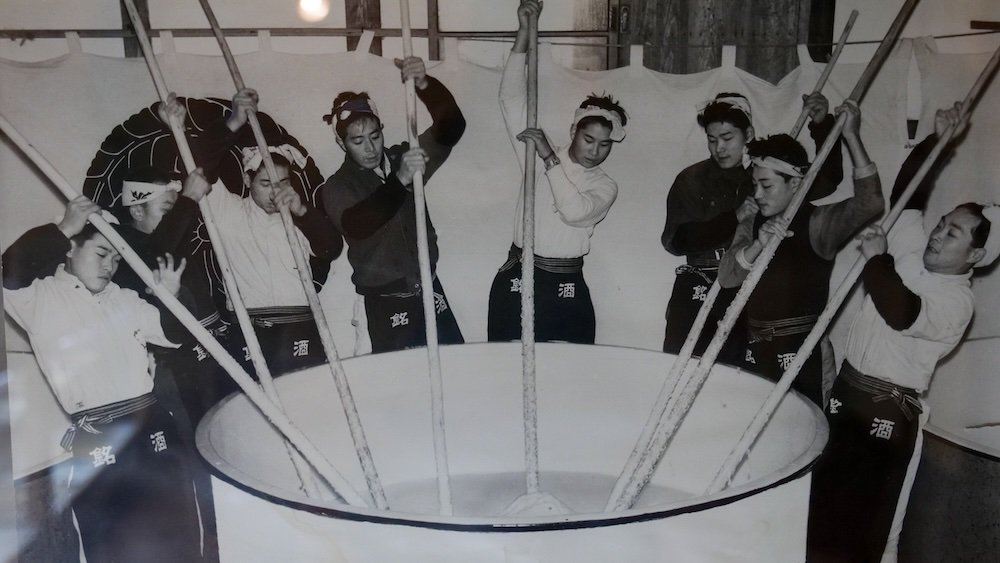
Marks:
<point>577,198</point>
<point>909,357</point>
<point>258,250</point>
<point>91,347</point>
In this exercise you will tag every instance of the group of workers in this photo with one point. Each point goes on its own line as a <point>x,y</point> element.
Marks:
<point>93,324</point>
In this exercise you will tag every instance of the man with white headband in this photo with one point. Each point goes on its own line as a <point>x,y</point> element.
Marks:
<point>158,216</point>
<point>370,198</point>
<point>793,290</point>
<point>254,236</point>
<point>573,195</point>
<point>703,211</point>
<point>919,303</point>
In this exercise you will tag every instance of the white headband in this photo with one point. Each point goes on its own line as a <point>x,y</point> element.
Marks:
<point>777,165</point>
<point>617,129</point>
<point>992,246</point>
<point>252,159</point>
<point>737,102</point>
<point>135,193</point>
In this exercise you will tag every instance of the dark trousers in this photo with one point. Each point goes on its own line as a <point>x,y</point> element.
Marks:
<point>686,298</point>
<point>396,321</point>
<point>770,357</point>
<point>857,481</point>
<point>200,381</point>
<point>288,338</point>
<point>133,494</point>
<point>188,383</point>
<point>564,310</point>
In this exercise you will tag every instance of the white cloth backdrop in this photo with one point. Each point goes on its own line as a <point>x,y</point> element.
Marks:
<point>68,105</point>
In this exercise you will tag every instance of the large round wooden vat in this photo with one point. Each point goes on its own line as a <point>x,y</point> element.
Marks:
<point>593,402</point>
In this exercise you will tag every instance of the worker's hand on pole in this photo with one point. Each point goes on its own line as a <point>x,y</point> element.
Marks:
<point>286,196</point>
<point>75,218</point>
<point>412,67</point>
<point>244,102</point>
<point>527,11</point>
<point>414,161</point>
<point>950,117</point>
<point>196,186</point>
<point>816,105</point>
<point>873,242</point>
<point>542,146</point>
<point>852,126</point>
<point>172,111</point>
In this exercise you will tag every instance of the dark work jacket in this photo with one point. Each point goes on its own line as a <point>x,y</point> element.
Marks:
<point>702,202</point>
<point>171,236</point>
<point>378,217</point>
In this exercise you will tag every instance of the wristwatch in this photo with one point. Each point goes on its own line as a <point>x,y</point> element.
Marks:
<point>551,161</point>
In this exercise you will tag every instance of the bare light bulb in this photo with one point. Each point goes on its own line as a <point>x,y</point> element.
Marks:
<point>313,10</point>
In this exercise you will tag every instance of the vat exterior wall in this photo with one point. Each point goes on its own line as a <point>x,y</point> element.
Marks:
<point>953,506</point>
<point>769,526</point>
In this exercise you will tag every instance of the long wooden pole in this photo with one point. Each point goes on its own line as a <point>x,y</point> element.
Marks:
<point>427,283</point>
<point>681,372</point>
<point>763,416</point>
<point>361,447</point>
<point>529,391</point>
<point>801,121</point>
<point>265,405</point>
<point>675,414</point>
<point>218,244</point>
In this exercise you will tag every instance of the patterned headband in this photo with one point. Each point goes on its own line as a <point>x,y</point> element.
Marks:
<point>345,110</point>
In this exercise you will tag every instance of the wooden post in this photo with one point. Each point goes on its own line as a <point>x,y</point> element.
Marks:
<point>705,35</point>
<point>364,14</point>
<point>433,26</point>
<point>132,48</point>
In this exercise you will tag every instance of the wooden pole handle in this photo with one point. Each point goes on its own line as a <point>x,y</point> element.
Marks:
<point>427,284</point>
<point>529,391</point>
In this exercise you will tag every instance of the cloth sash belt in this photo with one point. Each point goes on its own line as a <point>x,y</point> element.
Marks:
<point>403,287</point>
<point>88,420</point>
<point>215,325</point>
<point>698,271</point>
<point>706,263</point>
<point>270,316</point>
<point>551,265</point>
<point>908,400</point>
<point>768,330</point>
